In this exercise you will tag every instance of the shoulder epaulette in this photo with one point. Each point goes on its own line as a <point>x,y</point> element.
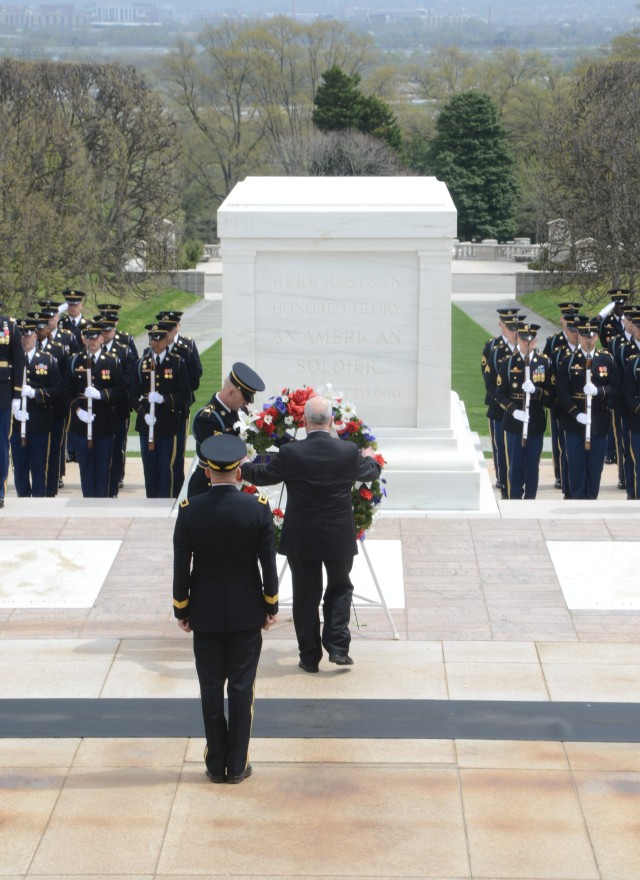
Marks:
<point>184,502</point>
<point>262,499</point>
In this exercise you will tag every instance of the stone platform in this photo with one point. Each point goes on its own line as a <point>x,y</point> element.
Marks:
<point>472,747</point>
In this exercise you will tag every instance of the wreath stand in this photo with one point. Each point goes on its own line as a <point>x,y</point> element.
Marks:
<point>382,603</point>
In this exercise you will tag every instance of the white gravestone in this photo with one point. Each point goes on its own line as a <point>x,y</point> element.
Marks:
<point>347,281</point>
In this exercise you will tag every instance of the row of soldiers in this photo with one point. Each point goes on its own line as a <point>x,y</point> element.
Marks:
<point>592,394</point>
<point>73,382</point>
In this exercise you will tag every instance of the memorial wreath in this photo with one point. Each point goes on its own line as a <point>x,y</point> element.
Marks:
<point>284,413</point>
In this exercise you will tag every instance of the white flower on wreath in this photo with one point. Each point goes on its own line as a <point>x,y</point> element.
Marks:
<point>251,452</point>
<point>331,395</point>
<point>348,410</point>
<point>288,420</point>
<point>245,423</point>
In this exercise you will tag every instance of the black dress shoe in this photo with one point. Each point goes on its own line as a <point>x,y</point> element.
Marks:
<point>216,777</point>
<point>60,484</point>
<point>621,484</point>
<point>307,667</point>
<point>71,457</point>
<point>341,659</point>
<point>610,459</point>
<point>234,780</point>
<point>1,502</point>
<point>557,485</point>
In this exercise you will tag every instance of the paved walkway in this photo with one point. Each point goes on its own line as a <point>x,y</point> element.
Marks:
<point>471,747</point>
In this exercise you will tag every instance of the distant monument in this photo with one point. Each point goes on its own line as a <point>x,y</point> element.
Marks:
<point>348,281</point>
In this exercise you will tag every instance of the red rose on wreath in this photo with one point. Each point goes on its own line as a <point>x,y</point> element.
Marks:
<point>296,402</point>
<point>366,493</point>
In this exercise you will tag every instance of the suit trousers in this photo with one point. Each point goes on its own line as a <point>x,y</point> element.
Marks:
<point>232,657</point>
<point>306,576</point>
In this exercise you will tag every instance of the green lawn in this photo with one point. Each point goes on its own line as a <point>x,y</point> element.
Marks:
<point>467,342</point>
<point>545,302</point>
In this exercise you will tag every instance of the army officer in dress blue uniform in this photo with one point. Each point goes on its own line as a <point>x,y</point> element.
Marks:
<point>220,416</point>
<point>40,397</point>
<point>160,408</point>
<point>11,376</point>
<point>95,386</point>
<point>587,387</point>
<point>524,389</point>
<point>221,594</point>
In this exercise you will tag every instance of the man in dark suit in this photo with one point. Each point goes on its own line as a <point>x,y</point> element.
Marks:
<point>220,595</point>
<point>319,529</point>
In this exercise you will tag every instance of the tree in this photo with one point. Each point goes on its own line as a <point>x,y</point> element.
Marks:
<point>341,106</point>
<point>338,101</point>
<point>87,156</point>
<point>592,151</point>
<point>341,154</point>
<point>470,153</point>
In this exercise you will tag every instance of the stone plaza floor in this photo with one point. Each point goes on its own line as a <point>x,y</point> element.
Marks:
<point>497,737</point>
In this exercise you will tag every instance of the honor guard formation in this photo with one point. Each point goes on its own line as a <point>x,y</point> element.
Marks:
<point>592,394</point>
<point>68,386</point>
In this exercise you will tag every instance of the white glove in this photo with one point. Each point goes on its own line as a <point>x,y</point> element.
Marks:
<point>582,418</point>
<point>520,415</point>
<point>62,308</point>
<point>21,416</point>
<point>607,309</point>
<point>528,387</point>
<point>92,392</point>
<point>590,389</point>
<point>84,416</point>
<point>28,391</point>
<point>15,405</point>
<point>149,419</point>
<point>154,397</point>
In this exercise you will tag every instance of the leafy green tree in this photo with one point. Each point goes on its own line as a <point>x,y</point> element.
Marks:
<point>592,157</point>
<point>471,154</point>
<point>87,155</point>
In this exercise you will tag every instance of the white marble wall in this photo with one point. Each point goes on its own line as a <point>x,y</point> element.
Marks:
<point>346,281</point>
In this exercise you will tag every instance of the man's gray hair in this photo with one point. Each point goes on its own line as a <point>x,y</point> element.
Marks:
<point>318,411</point>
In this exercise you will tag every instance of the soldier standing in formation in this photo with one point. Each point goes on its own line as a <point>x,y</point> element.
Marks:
<point>95,388</point>
<point>11,376</point>
<point>160,392</point>
<point>494,352</point>
<point>33,414</point>
<point>556,347</point>
<point>220,416</point>
<point>588,386</point>
<point>631,417</point>
<point>120,348</point>
<point>524,391</point>
<point>188,351</point>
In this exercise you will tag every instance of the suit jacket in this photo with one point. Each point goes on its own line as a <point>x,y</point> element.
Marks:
<point>217,542</point>
<point>319,473</point>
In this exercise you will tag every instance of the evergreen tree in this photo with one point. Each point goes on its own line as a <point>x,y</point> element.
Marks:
<point>470,153</point>
<point>338,101</point>
<point>341,106</point>
<point>376,118</point>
